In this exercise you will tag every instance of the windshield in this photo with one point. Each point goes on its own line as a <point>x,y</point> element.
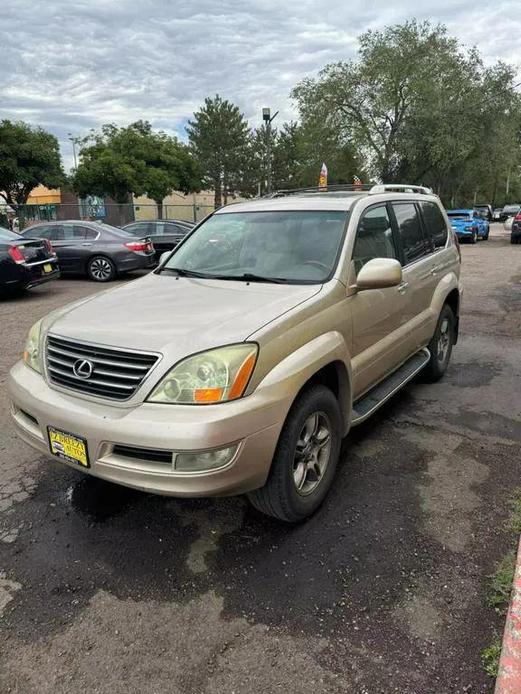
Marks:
<point>286,246</point>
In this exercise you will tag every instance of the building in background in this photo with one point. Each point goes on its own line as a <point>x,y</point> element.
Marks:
<point>193,206</point>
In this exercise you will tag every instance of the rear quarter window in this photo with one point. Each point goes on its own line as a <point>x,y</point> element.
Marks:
<point>435,224</point>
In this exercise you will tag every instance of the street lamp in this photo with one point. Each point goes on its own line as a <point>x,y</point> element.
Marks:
<point>268,119</point>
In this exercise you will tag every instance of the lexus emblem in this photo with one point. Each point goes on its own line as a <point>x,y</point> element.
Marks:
<point>83,368</point>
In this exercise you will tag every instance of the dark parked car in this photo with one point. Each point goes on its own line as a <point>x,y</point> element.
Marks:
<point>486,211</point>
<point>165,233</point>
<point>509,211</point>
<point>497,214</point>
<point>25,261</point>
<point>515,234</point>
<point>98,250</point>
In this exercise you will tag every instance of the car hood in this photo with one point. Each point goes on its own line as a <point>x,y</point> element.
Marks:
<point>177,316</point>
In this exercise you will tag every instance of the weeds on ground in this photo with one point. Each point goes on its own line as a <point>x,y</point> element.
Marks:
<point>490,656</point>
<point>500,583</point>
<point>500,586</point>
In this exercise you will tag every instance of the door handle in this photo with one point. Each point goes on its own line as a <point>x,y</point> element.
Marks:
<point>86,244</point>
<point>435,270</point>
<point>402,288</point>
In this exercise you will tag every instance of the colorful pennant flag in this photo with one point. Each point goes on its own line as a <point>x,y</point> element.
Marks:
<point>322,181</point>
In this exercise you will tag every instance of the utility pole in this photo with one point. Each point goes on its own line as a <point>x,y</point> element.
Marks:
<point>268,119</point>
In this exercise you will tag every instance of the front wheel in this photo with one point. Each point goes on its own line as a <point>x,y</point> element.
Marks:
<point>474,238</point>
<point>441,345</point>
<point>101,269</point>
<point>305,459</point>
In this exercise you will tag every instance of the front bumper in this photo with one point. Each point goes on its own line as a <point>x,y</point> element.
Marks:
<point>254,422</point>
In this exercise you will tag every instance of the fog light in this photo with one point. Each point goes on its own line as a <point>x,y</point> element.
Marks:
<point>204,460</point>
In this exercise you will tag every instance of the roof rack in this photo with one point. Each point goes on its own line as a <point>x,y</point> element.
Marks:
<point>346,187</point>
<point>356,188</point>
<point>399,188</point>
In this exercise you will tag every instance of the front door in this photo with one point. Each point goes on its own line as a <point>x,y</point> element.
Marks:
<point>378,315</point>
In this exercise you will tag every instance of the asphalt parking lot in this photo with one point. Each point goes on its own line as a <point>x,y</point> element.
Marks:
<point>103,589</point>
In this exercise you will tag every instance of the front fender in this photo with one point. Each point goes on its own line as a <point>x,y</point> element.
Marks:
<point>293,372</point>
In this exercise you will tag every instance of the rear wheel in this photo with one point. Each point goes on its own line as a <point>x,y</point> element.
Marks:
<point>440,346</point>
<point>101,269</point>
<point>305,460</point>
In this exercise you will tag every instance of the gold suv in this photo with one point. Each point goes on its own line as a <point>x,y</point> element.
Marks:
<point>241,362</point>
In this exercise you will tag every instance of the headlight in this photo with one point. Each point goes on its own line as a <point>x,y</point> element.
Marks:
<point>218,375</point>
<point>31,355</point>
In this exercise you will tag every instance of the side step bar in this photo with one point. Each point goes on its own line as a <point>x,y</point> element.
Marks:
<point>375,398</point>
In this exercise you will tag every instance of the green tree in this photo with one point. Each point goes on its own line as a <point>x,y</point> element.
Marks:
<point>219,137</point>
<point>28,157</point>
<point>415,107</point>
<point>135,159</point>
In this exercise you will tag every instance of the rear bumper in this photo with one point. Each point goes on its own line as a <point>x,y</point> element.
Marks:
<point>254,423</point>
<point>135,261</point>
<point>30,275</point>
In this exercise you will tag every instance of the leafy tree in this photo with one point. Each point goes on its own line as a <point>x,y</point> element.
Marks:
<point>119,161</point>
<point>219,137</point>
<point>28,157</point>
<point>417,108</point>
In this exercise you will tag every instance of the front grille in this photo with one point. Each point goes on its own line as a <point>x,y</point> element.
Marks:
<point>154,455</point>
<point>116,374</point>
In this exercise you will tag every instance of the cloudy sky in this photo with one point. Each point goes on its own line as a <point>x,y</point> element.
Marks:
<point>70,65</point>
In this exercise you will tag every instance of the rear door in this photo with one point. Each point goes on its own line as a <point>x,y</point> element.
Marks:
<point>420,276</point>
<point>378,315</point>
<point>67,239</point>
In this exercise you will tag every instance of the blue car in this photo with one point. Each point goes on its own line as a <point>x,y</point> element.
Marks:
<point>469,224</point>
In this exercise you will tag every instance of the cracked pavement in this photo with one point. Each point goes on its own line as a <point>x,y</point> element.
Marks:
<point>105,589</point>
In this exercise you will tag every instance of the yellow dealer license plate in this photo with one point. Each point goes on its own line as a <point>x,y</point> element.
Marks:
<point>47,267</point>
<point>68,447</point>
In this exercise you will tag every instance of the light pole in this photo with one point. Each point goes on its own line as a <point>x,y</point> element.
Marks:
<point>268,119</point>
<point>75,141</point>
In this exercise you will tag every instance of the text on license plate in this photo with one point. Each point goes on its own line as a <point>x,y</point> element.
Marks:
<point>68,447</point>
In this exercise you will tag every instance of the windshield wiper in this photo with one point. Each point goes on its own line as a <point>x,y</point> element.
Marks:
<point>250,277</point>
<point>245,277</point>
<point>187,273</point>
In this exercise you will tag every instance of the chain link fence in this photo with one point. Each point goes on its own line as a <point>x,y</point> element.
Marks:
<point>117,215</point>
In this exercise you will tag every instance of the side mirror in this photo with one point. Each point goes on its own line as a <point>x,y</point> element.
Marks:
<point>379,273</point>
<point>163,257</point>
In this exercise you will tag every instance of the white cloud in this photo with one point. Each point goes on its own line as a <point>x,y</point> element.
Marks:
<point>72,65</point>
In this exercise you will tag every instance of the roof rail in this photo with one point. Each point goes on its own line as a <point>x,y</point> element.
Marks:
<point>399,188</point>
<point>347,187</point>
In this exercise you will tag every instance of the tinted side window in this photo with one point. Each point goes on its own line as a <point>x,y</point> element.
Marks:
<point>55,233</point>
<point>410,231</point>
<point>90,233</point>
<point>38,232</point>
<point>79,232</point>
<point>435,224</point>
<point>374,237</point>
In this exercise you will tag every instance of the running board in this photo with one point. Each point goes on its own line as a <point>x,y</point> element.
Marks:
<point>375,398</point>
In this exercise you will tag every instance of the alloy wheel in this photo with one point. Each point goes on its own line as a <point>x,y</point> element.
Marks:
<point>312,453</point>
<point>444,340</point>
<point>101,269</point>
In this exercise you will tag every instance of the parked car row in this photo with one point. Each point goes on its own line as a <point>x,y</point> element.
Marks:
<point>99,251</point>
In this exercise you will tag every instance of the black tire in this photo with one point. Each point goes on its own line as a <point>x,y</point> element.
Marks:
<point>437,364</point>
<point>101,269</point>
<point>279,497</point>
